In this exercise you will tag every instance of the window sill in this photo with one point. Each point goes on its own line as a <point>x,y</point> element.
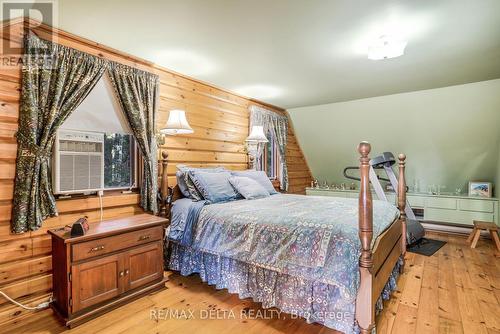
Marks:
<point>107,193</point>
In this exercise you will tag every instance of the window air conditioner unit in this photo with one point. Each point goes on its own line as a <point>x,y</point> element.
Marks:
<point>78,165</point>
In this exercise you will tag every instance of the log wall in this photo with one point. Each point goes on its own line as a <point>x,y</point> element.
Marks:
<point>219,118</point>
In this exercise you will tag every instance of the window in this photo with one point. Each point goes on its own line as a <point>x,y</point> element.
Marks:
<point>271,158</point>
<point>119,161</point>
<point>100,114</point>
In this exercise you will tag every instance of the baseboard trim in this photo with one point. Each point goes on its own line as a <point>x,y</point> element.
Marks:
<point>451,229</point>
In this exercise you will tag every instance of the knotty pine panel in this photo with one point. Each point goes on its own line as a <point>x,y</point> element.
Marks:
<point>7,170</point>
<point>25,287</point>
<point>8,130</point>
<point>175,155</point>
<point>172,167</point>
<point>9,111</point>
<point>207,113</point>
<point>220,119</point>
<point>11,314</point>
<point>15,249</point>
<point>194,144</point>
<point>20,269</point>
<point>203,120</point>
<point>10,90</point>
<point>6,190</point>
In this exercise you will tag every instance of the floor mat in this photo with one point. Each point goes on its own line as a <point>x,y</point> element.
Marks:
<point>426,246</point>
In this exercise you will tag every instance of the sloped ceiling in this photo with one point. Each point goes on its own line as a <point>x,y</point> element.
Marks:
<point>298,53</point>
<point>450,135</point>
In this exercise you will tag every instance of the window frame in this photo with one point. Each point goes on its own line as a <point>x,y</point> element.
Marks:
<point>276,158</point>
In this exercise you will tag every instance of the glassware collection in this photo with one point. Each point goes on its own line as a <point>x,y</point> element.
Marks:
<point>431,189</point>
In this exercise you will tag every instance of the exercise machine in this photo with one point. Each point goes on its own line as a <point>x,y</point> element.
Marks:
<point>385,161</point>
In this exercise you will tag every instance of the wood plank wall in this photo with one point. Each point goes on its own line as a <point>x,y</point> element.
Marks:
<point>219,118</point>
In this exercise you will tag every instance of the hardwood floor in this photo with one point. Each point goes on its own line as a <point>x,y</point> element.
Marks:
<point>455,291</point>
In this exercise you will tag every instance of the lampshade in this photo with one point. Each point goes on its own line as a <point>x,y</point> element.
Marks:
<point>257,135</point>
<point>177,123</point>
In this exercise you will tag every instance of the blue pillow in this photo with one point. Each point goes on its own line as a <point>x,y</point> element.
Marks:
<point>192,192</point>
<point>248,188</point>
<point>214,187</point>
<point>181,182</point>
<point>260,177</point>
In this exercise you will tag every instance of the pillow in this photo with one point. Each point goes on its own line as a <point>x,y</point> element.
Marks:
<point>260,177</point>
<point>191,188</point>
<point>248,188</point>
<point>214,187</point>
<point>181,182</point>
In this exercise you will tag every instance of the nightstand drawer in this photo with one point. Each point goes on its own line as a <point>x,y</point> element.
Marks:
<point>442,203</point>
<point>89,249</point>
<point>476,205</point>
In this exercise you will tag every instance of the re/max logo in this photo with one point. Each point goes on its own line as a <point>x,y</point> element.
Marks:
<point>38,12</point>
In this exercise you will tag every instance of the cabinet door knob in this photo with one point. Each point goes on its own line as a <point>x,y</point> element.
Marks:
<point>121,273</point>
<point>144,237</point>
<point>126,272</point>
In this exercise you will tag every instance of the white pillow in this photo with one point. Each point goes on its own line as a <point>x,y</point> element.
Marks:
<point>259,176</point>
<point>248,188</point>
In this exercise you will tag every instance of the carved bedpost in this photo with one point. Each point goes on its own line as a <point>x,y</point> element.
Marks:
<point>164,183</point>
<point>402,203</point>
<point>365,305</point>
<point>365,208</point>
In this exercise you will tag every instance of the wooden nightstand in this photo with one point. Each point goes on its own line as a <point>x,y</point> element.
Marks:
<point>115,262</point>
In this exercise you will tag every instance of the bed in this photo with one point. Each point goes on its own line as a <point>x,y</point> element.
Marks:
<point>329,260</point>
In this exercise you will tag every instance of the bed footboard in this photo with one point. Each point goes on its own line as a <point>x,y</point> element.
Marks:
<point>376,264</point>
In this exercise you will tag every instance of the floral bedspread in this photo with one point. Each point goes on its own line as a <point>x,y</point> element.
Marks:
<point>314,238</point>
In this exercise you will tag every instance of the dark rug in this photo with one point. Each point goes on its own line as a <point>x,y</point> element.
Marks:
<point>426,246</point>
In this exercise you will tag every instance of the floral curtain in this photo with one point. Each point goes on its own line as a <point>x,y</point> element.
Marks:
<point>56,79</point>
<point>137,92</point>
<point>278,125</point>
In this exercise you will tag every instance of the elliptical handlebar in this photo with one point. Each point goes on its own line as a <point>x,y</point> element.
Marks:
<point>349,176</point>
<point>359,179</point>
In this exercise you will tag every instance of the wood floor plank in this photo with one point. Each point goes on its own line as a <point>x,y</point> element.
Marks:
<point>406,320</point>
<point>427,316</point>
<point>470,313</point>
<point>411,294</point>
<point>448,326</point>
<point>491,314</point>
<point>476,276</point>
<point>385,320</point>
<point>447,293</point>
<point>492,331</point>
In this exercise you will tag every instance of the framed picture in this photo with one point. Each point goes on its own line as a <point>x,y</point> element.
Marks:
<point>480,189</point>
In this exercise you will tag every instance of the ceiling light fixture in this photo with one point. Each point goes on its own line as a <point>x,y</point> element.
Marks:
<point>386,47</point>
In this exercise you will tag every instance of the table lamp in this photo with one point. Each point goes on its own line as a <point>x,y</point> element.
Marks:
<point>176,124</point>
<point>254,144</point>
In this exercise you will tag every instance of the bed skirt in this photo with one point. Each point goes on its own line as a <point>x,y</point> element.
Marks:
<point>315,301</point>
